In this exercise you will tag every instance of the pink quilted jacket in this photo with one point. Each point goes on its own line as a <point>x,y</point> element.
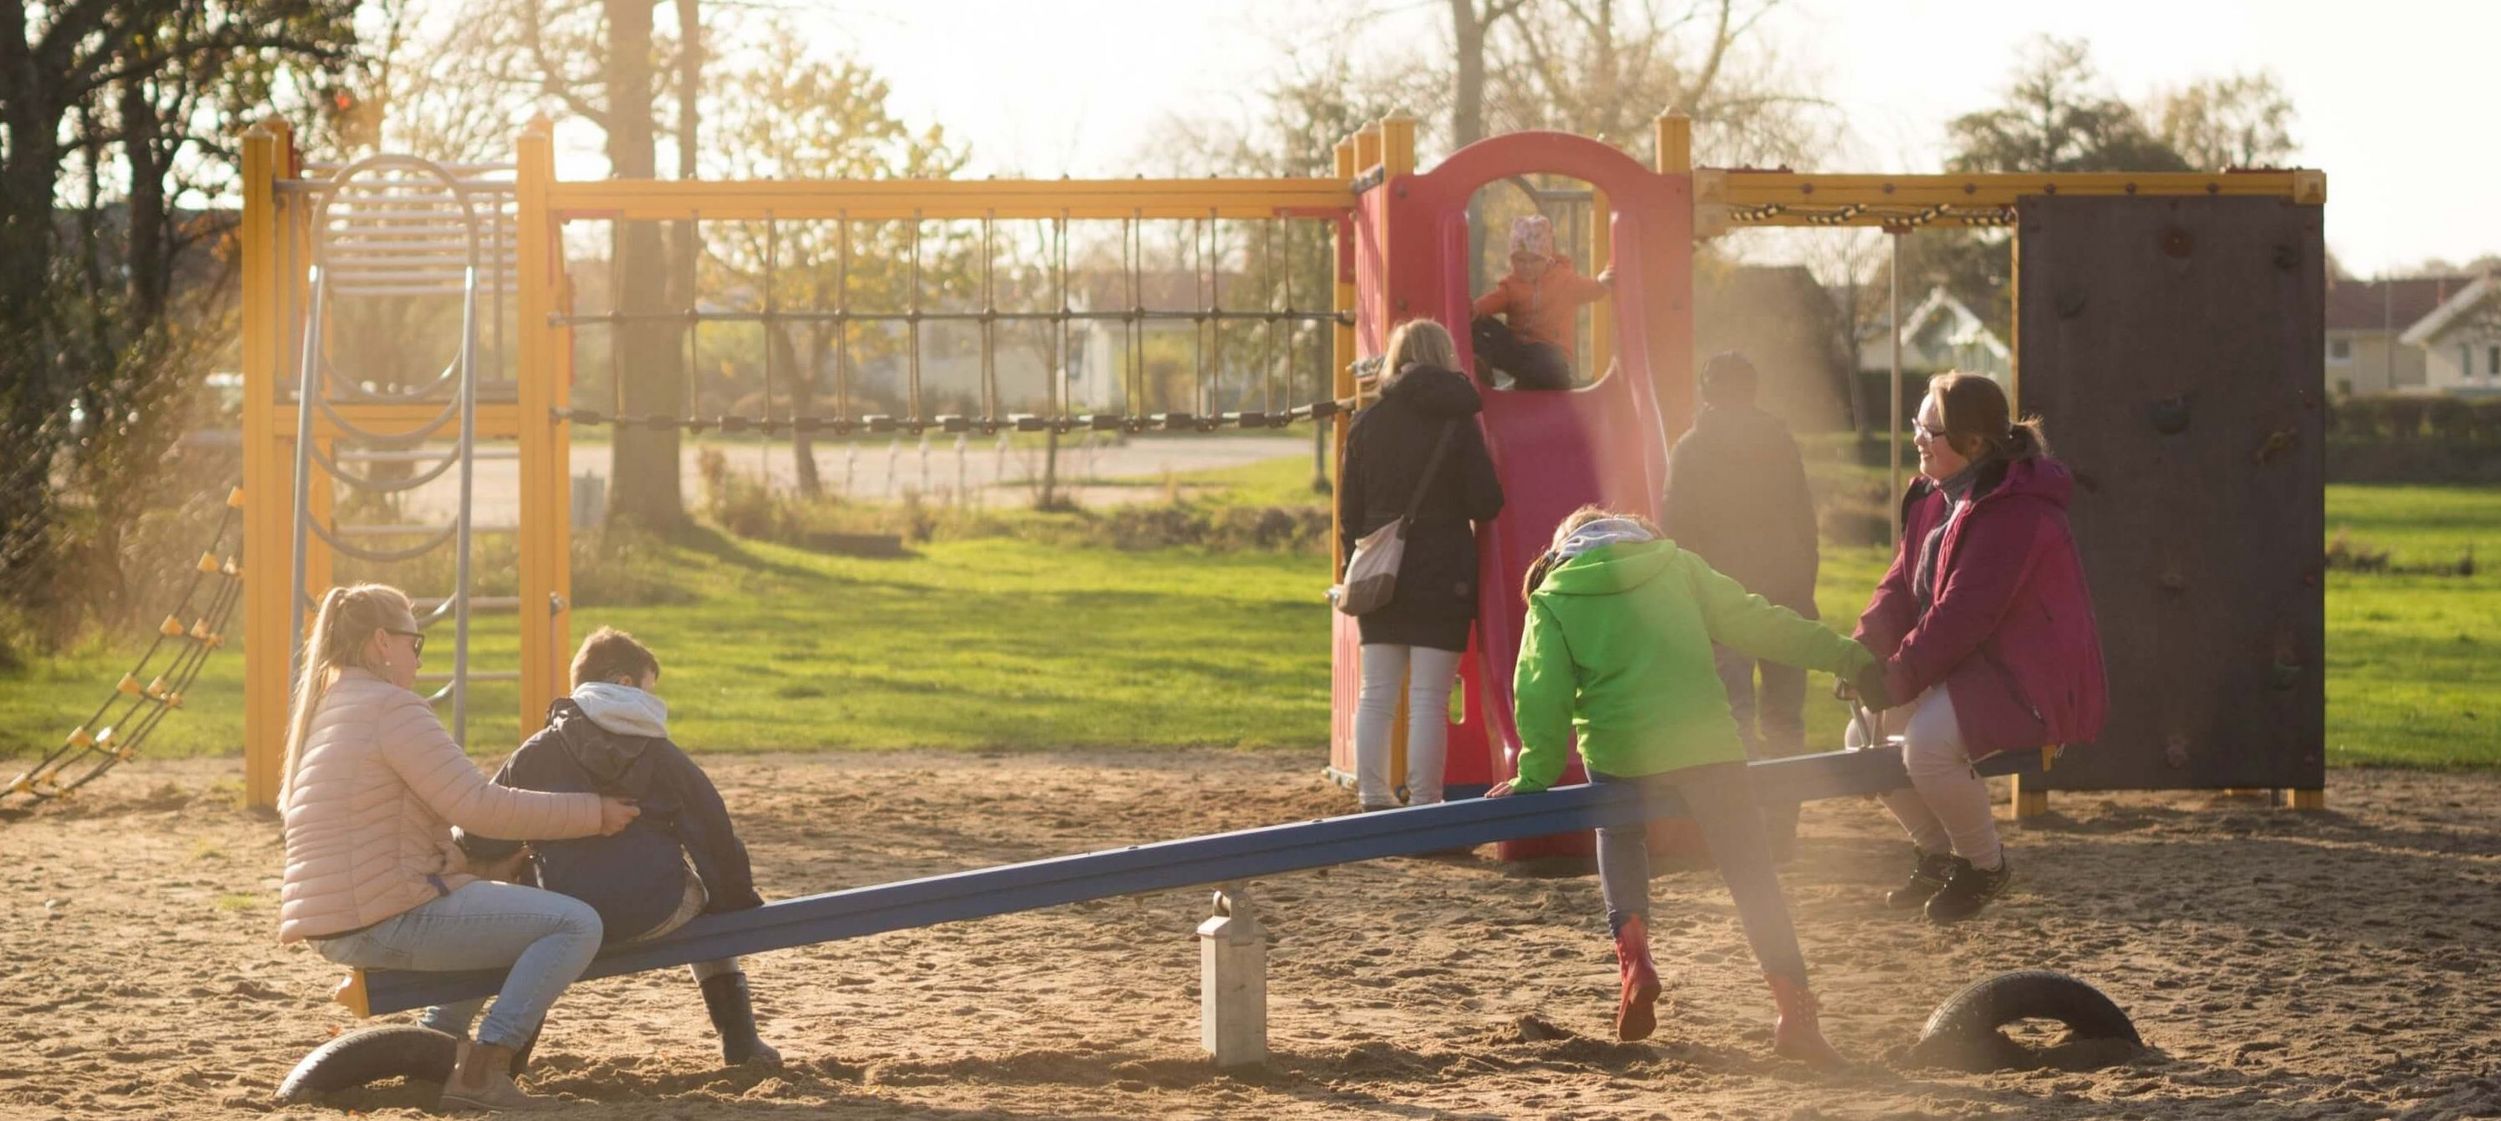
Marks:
<point>369,817</point>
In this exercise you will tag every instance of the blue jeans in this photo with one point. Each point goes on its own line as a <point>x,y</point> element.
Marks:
<point>454,1018</point>
<point>547,939</point>
<point>1720,799</point>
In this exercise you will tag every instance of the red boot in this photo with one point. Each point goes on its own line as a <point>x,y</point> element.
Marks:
<point>1636,1016</point>
<point>1796,1034</point>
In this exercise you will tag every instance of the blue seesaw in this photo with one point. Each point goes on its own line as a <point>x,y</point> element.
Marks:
<point>1233,989</point>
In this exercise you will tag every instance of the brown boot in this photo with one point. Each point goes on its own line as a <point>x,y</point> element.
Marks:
<point>482,1080</point>
<point>1796,1034</point>
<point>1636,1014</point>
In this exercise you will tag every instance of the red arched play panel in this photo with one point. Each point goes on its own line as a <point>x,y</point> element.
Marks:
<point>1555,451</point>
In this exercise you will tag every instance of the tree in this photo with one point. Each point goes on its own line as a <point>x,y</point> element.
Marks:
<point>1845,263</point>
<point>1325,95</point>
<point>600,60</point>
<point>2214,123</point>
<point>792,115</point>
<point>109,118</point>
<point>2057,117</point>
<point>1606,68</point>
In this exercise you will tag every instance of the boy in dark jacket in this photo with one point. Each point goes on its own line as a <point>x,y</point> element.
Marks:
<point>681,858</point>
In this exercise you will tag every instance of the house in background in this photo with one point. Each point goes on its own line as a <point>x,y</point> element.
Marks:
<point>1941,333</point>
<point>2366,322</point>
<point>2460,341</point>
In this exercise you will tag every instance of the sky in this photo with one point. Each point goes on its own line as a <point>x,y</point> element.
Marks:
<point>2390,94</point>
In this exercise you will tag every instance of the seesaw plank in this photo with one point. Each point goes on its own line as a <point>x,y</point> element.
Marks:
<point>1217,858</point>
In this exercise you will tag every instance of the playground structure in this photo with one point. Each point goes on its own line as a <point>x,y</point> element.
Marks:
<point>1399,244</point>
<point>1233,946</point>
<point>395,229</point>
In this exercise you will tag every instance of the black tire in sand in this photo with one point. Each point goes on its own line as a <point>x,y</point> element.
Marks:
<point>1963,1032</point>
<point>358,1058</point>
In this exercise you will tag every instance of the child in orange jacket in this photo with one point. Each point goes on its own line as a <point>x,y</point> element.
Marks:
<point>1536,300</point>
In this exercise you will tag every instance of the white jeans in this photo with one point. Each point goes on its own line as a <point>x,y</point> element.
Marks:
<point>1946,807</point>
<point>1428,721</point>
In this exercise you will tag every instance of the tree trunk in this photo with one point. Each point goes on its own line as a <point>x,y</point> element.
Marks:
<point>32,396</point>
<point>1467,118</point>
<point>644,475</point>
<point>1049,498</point>
<point>802,403</point>
<point>684,244</point>
<point>146,258</point>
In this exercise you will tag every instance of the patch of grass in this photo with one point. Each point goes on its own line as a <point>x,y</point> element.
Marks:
<point>1013,643</point>
<point>990,642</point>
<point>1269,482</point>
<point>237,902</point>
<point>2414,661</point>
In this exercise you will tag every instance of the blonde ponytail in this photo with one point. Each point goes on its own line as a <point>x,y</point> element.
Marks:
<point>347,617</point>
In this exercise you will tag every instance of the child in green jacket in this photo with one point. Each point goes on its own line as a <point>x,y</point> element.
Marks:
<point>1618,652</point>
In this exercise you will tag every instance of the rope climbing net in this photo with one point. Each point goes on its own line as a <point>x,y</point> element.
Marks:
<point>133,711</point>
<point>1238,299</point>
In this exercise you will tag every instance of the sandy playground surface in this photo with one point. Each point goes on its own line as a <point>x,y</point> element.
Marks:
<point>2281,965</point>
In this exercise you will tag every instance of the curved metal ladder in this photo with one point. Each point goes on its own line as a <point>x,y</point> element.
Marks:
<point>396,226</point>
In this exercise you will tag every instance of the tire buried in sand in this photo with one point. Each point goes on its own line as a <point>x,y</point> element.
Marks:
<point>1963,1032</point>
<point>355,1058</point>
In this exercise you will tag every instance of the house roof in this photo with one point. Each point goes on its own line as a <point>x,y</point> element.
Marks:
<point>2450,311</point>
<point>2384,305</point>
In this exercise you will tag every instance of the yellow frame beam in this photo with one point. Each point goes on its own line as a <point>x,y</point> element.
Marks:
<point>1726,196</point>
<point>495,422</point>
<point>941,199</point>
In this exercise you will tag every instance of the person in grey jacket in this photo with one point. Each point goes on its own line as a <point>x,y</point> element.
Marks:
<point>681,858</point>
<point>1737,497</point>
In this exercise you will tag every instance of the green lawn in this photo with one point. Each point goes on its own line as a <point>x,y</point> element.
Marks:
<point>2414,661</point>
<point>1009,643</point>
<point>995,643</point>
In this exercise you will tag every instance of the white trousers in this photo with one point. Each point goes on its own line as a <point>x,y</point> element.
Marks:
<point>1946,807</point>
<point>1428,674</point>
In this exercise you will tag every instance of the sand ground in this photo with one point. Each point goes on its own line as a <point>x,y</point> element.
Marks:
<point>2280,964</point>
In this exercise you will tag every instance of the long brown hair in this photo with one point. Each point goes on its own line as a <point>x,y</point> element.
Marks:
<point>1563,531</point>
<point>348,617</point>
<point>1979,422</point>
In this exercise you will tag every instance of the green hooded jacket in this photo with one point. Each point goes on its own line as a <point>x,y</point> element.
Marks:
<point>1618,651</point>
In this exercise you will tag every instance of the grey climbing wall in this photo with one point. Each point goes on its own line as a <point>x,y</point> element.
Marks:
<point>2174,348</point>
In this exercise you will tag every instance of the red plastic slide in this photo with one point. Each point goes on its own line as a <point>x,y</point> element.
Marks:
<point>1605,443</point>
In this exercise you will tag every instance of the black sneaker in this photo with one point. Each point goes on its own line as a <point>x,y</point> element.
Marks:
<point>1927,877</point>
<point>1969,889</point>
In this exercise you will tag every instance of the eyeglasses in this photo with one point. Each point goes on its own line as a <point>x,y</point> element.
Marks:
<point>416,641</point>
<point>1921,427</point>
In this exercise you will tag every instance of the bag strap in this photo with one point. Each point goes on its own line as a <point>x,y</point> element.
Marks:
<point>1440,448</point>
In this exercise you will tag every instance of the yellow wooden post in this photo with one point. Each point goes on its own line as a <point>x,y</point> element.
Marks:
<point>1673,139</point>
<point>1601,314</point>
<point>2028,803</point>
<point>1367,148</point>
<point>1342,385</point>
<point>1397,144</point>
<point>1393,139</point>
<point>265,481</point>
<point>545,611</point>
<point>2314,799</point>
<point>321,489</point>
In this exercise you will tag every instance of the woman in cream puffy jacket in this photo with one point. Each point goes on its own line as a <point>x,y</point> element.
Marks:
<point>373,785</point>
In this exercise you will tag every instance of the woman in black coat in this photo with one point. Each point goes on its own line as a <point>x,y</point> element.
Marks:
<point>1419,634</point>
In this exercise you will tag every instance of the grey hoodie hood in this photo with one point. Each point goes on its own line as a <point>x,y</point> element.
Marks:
<point>1600,533</point>
<point>623,709</point>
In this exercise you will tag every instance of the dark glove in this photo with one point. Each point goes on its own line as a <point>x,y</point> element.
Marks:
<point>1871,687</point>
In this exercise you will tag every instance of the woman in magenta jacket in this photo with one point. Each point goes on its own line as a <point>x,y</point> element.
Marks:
<point>1986,631</point>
